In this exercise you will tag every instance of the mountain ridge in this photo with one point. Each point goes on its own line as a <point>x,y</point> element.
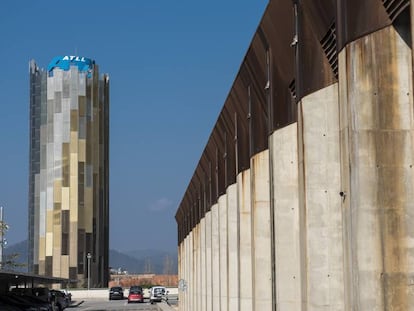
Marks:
<point>131,262</point>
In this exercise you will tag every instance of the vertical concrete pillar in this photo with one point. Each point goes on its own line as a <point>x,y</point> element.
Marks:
<point>184,274</point>
<point>322,202</point>
<point>192,274</point>
<point>188,266</point>
<point>284,152</point>
<point>215,256</point>
<point>209,263</point>
<point>185,293</point>
<point>180,274</point>
<point>198,267</point>
<point>262,265</point>
<point>222,212</point>
<point>203,265</point>
<point>245,248</point>
<point>233,248</point>
<point>377,164</point>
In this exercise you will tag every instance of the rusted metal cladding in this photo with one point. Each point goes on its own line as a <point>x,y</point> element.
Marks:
<point>200,189</point>
<point>205,166</point>
<point>256,78</point>
<point>218,142</point>
<point>239,100</point>
<point>317,53</point>
<point>277,29</point>
<point>211,153</point>
<point>358,18</point>
<point>228,125</point>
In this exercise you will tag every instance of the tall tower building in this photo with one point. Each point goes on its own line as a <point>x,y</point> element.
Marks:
<point>69,171</point>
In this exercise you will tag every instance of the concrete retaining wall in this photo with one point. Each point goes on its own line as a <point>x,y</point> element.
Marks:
<point>324,218</point>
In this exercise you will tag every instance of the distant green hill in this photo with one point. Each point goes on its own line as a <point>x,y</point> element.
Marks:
<point>135,262</point>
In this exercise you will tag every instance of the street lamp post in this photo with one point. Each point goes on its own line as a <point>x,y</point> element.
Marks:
<point>2,228</point>
<point>89,256</point>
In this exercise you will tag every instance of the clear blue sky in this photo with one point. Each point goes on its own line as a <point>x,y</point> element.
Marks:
<point>171,65</point>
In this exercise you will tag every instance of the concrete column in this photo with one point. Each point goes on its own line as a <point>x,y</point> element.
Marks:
<point>209,263</point>
<point>188,251</point>
<point>262,265</point>
<point>198,267</point>
<point>203,265</point>
<point>185,273</point>
<point>191,270</point>
<point>233,248</point>
<point>324,244</point>
<point>377,164</point>
<point>245,248</point>
<point>180,274</point>
<point>183,303</point>
<point>215,256</point>
<point>222,211</point>
<point>284,153</point>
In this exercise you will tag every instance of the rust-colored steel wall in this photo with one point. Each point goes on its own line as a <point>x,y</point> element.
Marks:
<point>292,54</point>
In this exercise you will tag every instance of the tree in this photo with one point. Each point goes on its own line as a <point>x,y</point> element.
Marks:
<point>8,262</point>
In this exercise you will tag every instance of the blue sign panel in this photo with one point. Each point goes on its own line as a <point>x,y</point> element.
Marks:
<point>64,62</point>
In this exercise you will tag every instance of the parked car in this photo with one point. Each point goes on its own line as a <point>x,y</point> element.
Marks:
<point>157,294</point>
<point>60,299</point>
<point>116,292</point>
<point>25,303</point>
<point>35,296</point>
<point>136,294</point>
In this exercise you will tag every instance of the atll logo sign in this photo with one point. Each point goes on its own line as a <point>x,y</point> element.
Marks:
<point>74,58</point>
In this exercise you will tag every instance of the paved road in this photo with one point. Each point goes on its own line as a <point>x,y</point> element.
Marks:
<point>113,305</point>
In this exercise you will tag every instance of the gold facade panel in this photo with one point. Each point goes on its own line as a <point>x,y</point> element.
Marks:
<point>49,244</point>
<point>64,267</point>
<point>74,166</point>
<point>42,249</point>
<point>88,209</point>
<point>74,121</point>
<point>57,236</point>
<point>74,210</point>
<point>73,247</point>
<point>57,191</point>
<point>65,198</point>
<point>56,262</point>
<point>49,221</point>
<point>82,150</point>
<point>42,267</point>
<point>56,217</point>
<point>74,142</point>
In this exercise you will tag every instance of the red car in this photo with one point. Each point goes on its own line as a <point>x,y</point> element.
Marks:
<point>135,294</point>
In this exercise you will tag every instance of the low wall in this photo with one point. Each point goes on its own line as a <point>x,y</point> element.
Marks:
<point>79,294</point>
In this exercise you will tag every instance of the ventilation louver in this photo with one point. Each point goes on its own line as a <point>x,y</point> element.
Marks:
<point>395,7</point>
<point>328,43</point>
<point>292,88</point>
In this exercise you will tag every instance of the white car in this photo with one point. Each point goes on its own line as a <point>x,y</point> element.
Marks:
<point>158,293</point>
